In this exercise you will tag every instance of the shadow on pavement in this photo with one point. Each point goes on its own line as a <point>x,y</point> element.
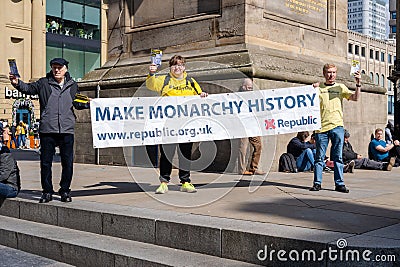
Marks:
<point>30,155</point>
<point>347,217</point>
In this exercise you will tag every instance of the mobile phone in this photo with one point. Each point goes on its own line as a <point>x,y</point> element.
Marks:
<point>13,67</point>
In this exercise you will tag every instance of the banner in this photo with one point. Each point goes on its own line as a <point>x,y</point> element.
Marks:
<point>137,121</point>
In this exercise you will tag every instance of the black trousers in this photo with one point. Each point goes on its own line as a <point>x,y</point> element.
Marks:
<point>48,143</point>
<point>368,164</point>
<point>184,157</point>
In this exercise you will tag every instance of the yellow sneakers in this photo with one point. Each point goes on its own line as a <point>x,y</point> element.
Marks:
<point>162,189</point>
<point>188,187</point>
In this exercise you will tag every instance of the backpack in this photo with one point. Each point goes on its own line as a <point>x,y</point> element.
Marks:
<point>189,80</point>
<point>287,163</point>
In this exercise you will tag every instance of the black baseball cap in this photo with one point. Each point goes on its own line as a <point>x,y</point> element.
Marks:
<point>59,61</point>
<point>346,133</point>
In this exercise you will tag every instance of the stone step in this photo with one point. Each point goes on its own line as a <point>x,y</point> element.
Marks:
<point>226,238</point>
<point>81,248</point>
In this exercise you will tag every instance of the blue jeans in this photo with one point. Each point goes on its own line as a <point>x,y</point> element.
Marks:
<point>306,160</point>
<point>7,191</point>
<point>22,140</point>
<point>48,148</point>
<point>336,135</point>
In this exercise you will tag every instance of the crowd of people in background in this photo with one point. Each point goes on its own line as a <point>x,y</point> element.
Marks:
<point>383,151</point>
<point>17,135</point>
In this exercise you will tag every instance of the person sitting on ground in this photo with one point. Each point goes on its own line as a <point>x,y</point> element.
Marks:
<point>381,151</point>
<point>302,147</point>
<point>10,182</point>
<point>354,160</point>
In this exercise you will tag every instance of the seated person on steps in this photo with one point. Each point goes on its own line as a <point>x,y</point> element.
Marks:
<point>353,160</point>
<point>10,183</point>
<point>302,147</point>
<point>381,151</point>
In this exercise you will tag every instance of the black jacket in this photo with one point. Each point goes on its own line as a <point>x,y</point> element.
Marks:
<point>296,147</point>
<point>9,171</point>
<point>56,103</point>
<point>348,152</point>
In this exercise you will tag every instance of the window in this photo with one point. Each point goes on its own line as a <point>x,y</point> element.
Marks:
<point>376,78</point>
<point>67,23</point>
<point>363,51</point>
<point>383,56</point>
<point>53,8</point>
<point>393,15</point>
<point>383,80</point>
<point>356,50</point>
<point>371,54</point>
<point>371,76</point>
<point>350,49</point>
<point>389,84</point>
<point>377,55</point>
<point>390,104</point>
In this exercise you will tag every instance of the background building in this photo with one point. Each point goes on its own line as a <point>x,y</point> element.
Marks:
<point>38,30</point>
<point>376,58</point>
<point>392,19</point>
<point>368,17</point>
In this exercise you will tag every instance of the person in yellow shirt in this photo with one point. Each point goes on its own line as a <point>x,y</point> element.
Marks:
<point>21,133</point>
<point>175,83</point>
<point>331,95</point>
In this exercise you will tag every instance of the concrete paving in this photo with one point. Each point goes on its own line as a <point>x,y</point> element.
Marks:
<point>369,213</point>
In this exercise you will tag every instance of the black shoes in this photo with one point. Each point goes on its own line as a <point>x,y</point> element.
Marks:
<point>349,167</point>
<point>46,197</point>
<point>316,187</point>
<point>342,189</point>
<point>339,188</point>
<point>65,197</point>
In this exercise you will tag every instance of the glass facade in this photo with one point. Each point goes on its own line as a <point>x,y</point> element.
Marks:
<point>73,32</point>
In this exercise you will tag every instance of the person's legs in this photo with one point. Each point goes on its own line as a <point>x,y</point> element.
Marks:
<point>185,157</point>
<point>255,158</point>
<point>66,144</point>
<point>23,140</point>
<point>46,160</point>
<point>242,165</point>
<point>7,191</point>
<point>305,160</point>
<point>167,153</point>
<point>368,164</point>
<point>321,143</point>
<point>337,138</point>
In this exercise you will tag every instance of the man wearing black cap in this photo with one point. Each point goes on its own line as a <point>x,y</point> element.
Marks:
<point>57,122</point>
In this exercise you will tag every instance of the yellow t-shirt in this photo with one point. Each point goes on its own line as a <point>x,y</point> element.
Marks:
<point>175,87</point>
<point>331,105</point>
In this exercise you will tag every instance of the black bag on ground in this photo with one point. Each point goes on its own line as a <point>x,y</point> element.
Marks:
<point>287,163</point>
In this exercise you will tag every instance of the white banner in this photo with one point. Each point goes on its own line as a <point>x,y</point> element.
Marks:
<point>137,121</point>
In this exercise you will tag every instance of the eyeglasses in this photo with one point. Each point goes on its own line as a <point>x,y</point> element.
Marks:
<point>178,66</point>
